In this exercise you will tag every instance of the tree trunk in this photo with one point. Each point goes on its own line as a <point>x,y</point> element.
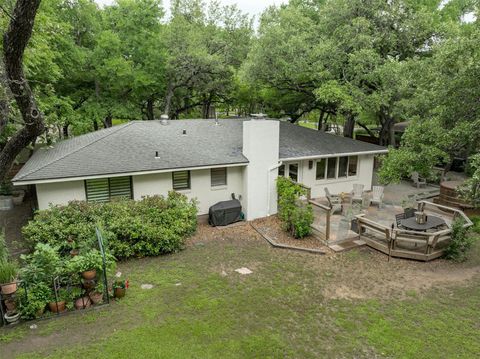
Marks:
<point>107,122</point>
<point>385,131</point>
<point>95,125</point>
<point>320,121</point>
<point>14,42</point>
<point>65,131</point>
<point>349,126</point>
<point>150,115</point>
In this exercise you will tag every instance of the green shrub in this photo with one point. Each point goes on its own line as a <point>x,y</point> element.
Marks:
<point>461,242</point>
<point>152,226</point>
<point>42,265</point>
<point>476,224</point>
<point>32,305</point>
<point>296,216</point>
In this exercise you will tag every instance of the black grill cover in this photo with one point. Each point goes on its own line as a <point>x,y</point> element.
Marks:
<point>225,213</point>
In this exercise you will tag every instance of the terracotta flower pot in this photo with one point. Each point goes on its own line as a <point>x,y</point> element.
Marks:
<point>57,307</point>
<point>89,284</point>
<point>96,297</point>
<point>82,303</point>
<point>119,292</point>
<point>89,274</point>
<point>9,288</point>
<point>10,304</point>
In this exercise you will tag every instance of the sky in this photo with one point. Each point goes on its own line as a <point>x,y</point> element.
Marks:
<point>253,7</point>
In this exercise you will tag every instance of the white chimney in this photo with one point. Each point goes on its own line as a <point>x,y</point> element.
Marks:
<point>261,147</point>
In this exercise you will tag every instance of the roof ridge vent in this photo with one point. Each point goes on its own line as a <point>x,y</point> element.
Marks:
<point>258,116</point>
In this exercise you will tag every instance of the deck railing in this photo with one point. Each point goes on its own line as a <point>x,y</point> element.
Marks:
<point>403,243</point>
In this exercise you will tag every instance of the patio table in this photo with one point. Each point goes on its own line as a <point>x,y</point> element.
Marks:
<point>432,222</point>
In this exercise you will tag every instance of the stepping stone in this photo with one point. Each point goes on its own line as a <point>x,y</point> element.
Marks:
<point>178,284</point>
<point>118,274</point>
<point>146,286</point>
<point>243,271</point>
<point>359,242</point>
<point>223,274</point>
<point>336,247</point>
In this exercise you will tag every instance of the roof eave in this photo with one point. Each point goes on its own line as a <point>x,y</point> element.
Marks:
<point>20,182</point>
<point>358,153</point>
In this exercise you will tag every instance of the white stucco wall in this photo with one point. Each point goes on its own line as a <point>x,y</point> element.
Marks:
<point>261,147</point>
<point>59,193</point>
<point>308,177</point>
<point>201,189</point>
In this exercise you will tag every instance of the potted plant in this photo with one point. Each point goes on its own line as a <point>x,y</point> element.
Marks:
<point>58,304</point>
<point>10,304</point>
<point>120,288</point>
<point>87,264</point>
<point>96,296</point>
<point>6,200</point>
<point>74,251</point>
<point>33,305</point>
<point>81,301</point>
<point>8,275</point>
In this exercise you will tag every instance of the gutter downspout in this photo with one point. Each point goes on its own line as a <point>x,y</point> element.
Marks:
<point>268,184</point>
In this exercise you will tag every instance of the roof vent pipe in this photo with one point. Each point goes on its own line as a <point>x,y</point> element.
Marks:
<point>258,116</point>
<point>216,119</point>
<point>157,155</point>
<point>164,119</point>
<point>184,133</point>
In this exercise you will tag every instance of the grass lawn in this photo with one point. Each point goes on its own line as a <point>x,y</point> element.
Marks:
<point>298,305</point>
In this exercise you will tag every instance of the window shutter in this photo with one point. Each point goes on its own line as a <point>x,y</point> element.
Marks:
<point>181,180</point>
<point>97,190</point>
<point>120,187</point>
<point>219,177</point>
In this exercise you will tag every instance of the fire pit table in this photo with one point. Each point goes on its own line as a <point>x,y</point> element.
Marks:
<point>431,222</point>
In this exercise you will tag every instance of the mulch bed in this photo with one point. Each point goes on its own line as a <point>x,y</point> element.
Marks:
<point>272,227</point>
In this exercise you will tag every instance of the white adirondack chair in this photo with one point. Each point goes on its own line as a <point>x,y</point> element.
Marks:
<point>377,195</point>
<point>357,194</point>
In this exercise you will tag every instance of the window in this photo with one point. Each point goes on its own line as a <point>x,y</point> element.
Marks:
<point>342,167</point>
<point>293,171</point>
<point>181,180</point>
<point>106,189</point>
<point>321,167</point>
<point>218,176</point>
<point>281,170</point>
<point>332,167</point>
<point>352,165</point>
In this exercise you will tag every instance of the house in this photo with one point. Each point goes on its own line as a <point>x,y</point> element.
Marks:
<point>204,159</point>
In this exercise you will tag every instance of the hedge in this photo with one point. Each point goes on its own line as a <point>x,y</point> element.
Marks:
<point>155,225</point>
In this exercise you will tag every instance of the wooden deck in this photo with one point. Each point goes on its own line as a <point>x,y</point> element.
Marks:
<point>395,242</point>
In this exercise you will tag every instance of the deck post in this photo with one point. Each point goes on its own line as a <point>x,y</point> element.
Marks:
<point>327,225</point>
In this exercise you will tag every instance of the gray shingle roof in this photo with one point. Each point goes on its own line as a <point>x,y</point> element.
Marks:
<point>131,148</point>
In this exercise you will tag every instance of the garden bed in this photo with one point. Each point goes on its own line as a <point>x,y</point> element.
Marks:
<point>272,228</point>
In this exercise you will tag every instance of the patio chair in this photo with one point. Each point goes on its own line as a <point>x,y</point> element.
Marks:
<point>377,195</point>
<point>418,181</point>
<point>334,201</point>
<point>409,213</point>
<point>357,194</point>
<point>398,219</point>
